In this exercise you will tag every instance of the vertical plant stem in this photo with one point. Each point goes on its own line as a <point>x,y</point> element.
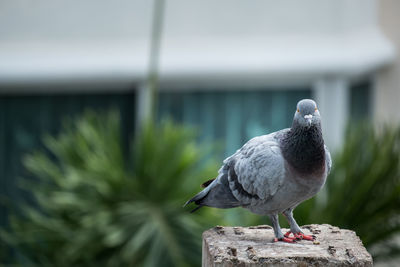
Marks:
<point>155,45</point>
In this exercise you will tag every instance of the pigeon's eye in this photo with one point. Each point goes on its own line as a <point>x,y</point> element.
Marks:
<point>298,110</point>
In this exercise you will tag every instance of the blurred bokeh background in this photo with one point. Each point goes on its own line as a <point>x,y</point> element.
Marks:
<point>113,112</point>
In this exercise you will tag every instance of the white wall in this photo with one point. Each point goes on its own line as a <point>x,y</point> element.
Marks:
<point>74,20</point>
<point>267,18</point>
<point>387,87</point>
<point>87,20</point>
<point>259,41</point>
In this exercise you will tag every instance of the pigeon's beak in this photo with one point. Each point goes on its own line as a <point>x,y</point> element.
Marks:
<point>308,119</point>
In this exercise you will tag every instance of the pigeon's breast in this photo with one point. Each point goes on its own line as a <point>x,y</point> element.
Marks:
<point>307,184</point>
<point>308,177</point>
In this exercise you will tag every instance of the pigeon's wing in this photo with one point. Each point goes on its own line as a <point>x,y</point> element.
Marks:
<point>328,159</point>
<point>254,173</point>
<point>257,170</point>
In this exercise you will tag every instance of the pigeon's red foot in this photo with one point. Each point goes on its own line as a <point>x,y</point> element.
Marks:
<point>300,236</point>
<point>287,235</point>
<point>285,239</point>
<point>305,237</point>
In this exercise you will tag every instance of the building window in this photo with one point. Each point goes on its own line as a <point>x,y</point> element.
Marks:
<point>360,101</point>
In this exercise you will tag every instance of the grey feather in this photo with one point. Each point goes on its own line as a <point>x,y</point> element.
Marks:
<point>259,166</point>
<point>328,159</point>
<point>217,194</point>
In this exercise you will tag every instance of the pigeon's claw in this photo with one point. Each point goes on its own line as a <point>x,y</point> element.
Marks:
<point>302,236</point>
<point>299,236</point>
<point>285,239</point>
<point>287,235</point>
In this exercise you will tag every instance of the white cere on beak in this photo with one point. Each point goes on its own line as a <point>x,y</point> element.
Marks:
<point>308,119</point>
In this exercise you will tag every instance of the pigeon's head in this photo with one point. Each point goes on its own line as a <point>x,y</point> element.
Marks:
<point>307,114</point>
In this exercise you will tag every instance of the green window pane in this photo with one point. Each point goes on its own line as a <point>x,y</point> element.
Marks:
<point>360,101</point>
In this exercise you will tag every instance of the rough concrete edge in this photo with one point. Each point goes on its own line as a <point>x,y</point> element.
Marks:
<point>349,231</point>
<point>367,261</point>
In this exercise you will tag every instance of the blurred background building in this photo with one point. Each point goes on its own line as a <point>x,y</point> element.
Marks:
<point>233,69</point>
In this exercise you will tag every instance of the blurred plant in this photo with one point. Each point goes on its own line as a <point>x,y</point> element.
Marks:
<point>363,191</point>
<point>101,204</point>
<point>96,207</point>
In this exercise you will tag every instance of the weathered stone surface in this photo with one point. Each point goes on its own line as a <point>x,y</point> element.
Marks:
<point>254,246</point>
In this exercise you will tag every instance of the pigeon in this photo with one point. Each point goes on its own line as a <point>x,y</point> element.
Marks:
<point>272,174</point>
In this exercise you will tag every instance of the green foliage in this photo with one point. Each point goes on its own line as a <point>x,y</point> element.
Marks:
<point>98,203</point>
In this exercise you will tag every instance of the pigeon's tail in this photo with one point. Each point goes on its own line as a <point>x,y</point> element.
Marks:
<point>196,199</point>
<point>217,194</point>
